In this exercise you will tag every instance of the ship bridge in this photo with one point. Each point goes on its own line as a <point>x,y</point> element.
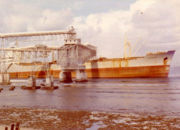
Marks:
<point>70,56</point>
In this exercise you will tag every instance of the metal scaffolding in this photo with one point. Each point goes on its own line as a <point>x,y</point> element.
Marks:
<point>70,56</point>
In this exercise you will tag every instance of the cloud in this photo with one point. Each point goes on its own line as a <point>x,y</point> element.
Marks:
<point>158,21</point>
<point>104,30</point>
<point>149,25</point>
<point>20,17</point>
<point>52,20</point>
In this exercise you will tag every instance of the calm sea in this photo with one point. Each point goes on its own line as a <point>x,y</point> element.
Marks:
<point>140,95</point>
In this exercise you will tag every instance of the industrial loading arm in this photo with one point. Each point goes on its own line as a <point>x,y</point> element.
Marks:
<point>71,56</point>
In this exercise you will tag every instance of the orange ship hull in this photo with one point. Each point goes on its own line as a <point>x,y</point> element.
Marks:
<point>121,72</point>
<point>129,72</point>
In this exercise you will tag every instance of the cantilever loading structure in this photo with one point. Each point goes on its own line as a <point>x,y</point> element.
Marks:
<point>70,56</point>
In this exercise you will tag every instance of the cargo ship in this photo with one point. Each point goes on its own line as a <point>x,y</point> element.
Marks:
<point>151,65</point>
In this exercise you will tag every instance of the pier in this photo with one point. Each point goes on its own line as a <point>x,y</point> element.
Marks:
<point>38,58</point>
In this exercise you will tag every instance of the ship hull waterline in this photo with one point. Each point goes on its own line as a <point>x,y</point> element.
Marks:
<point>119,72</point>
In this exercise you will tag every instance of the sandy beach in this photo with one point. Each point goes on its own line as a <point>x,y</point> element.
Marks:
<point>53,119</point>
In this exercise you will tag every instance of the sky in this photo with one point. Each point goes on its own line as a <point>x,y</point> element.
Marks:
<point>149,25</point>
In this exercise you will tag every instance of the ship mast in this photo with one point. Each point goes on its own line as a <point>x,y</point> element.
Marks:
<point>127,48</point>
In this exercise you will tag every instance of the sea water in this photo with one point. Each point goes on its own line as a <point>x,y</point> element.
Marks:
<point>139,95</point>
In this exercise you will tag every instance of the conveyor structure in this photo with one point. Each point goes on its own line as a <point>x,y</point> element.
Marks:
<point>70,56</point>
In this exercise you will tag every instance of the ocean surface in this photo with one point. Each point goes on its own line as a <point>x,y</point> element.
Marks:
<point>139,95</point>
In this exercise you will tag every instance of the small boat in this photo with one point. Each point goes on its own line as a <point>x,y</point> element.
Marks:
<point>12,88</point>
<point>30,87</point>
<point>1,89</point>
<point>49,87</point>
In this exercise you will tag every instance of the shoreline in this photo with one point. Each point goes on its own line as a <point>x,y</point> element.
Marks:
<point>36,118</point>
<point>119,111</point>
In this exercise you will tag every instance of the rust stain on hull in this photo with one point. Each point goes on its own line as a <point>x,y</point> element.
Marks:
<point>120,72</point>
<point>132,72</point>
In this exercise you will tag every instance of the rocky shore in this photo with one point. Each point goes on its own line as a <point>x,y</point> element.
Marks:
<point>52,119</point>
